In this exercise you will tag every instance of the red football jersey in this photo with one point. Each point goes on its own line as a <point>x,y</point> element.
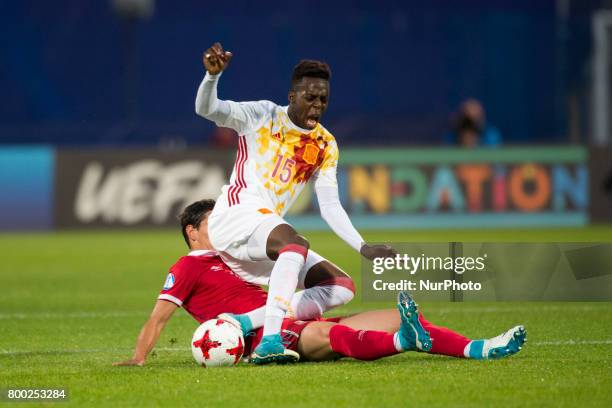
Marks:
<point>205,287</point>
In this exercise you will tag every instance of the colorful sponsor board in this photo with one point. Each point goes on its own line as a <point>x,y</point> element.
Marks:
<point>133,187</point>
<point>469,188</point>
<point>380,188</point>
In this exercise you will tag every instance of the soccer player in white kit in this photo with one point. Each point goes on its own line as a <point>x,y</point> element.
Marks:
<point>280,148</point>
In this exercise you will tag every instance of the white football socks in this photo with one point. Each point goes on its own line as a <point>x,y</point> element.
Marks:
<point>397,342</point>
<point>283,281</point>
<point>313,302</point>
<point>256,317</point>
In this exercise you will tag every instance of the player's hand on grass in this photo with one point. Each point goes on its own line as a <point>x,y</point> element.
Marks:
<point>377,251</point>
<point>130,362</point>
<point>216,59</point>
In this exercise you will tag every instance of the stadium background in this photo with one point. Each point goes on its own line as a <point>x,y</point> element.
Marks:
<point>100,148</point>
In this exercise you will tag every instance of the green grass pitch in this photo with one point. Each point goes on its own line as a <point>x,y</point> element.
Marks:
<point>73,303</point>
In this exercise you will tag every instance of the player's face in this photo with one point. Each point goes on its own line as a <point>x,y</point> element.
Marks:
<point>198,237</point>
<point>308,101</point>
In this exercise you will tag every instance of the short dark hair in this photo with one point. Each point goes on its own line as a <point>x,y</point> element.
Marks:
<point>193,215</point>
<point>311,69</point>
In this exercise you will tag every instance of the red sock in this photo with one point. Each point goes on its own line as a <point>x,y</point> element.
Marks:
<point>445,341</point>
<point>361,344</point>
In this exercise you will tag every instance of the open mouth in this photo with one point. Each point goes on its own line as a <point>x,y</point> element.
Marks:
<point>312,121</point>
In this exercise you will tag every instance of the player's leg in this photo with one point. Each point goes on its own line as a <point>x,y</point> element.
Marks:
<point>250,235</point>
<point>255,272</point>
<point>326,286</point>
<point>362,342</point>
<point>289,250</point>
<point>506,344</point>
<point>313,344</point>
<point>321,340</point>
<point>387,320</point>
<point>444,341</point>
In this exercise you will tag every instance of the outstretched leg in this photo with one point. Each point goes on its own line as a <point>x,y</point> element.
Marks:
<point>321,341</point>
<point>324,340</point>
<point>327,286</point>
<point>506,344</point>
<point>444,340</point>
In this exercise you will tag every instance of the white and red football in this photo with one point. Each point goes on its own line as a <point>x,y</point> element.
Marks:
<point>217,343</point>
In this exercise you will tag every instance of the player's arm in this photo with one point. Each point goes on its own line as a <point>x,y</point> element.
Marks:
<point>239,116</point>
<point>338,220</point>
<point>336,217</point>
<point>162,312</point>
<point>326,188</point>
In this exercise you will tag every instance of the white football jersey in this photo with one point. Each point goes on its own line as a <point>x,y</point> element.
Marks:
<point>275,158</point>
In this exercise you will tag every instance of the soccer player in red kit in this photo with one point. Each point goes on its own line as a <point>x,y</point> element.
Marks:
<point>206,287</point>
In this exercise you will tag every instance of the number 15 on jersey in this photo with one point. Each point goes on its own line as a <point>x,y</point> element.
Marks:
<point>283,168</point>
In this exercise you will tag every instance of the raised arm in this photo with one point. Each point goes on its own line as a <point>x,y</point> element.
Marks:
<point>207,104</point>
<point>239,116</point>
<point>162,312</point>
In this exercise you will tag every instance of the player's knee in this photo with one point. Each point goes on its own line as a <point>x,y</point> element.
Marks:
<point>335,293</point>
<point>301,241</point>
<point>322,335</point>
<point>346,282</point>
<point>340,291</point>
<point>314,342</point>
<point>344,288</point>
<point>297,244</point>
<point>344,294</point>
<point>285,239</point>
<point>295,247</point>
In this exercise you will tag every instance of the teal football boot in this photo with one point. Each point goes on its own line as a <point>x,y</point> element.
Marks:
<point>412,334</point>
<point>272,350</point>
<point>504,345</point>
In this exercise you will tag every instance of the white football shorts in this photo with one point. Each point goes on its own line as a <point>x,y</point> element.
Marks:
<point>240,234</point>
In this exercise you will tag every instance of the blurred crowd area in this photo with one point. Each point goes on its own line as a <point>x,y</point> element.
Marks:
<point>125,72</point>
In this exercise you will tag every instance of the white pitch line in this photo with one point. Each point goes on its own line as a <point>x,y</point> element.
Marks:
<point>500,309</point>
<point>84,351</point>
<point>514,309</point>
<point>72,315</point>
<point>68,315</point>
<point>122,314</point>
<point>571,342</point>
<point>184,349</point>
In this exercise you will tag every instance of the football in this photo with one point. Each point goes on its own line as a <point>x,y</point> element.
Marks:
<point>217,343</point>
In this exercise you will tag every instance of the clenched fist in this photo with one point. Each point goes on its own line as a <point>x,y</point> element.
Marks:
<point>377,251</point>
<point>216,59</point>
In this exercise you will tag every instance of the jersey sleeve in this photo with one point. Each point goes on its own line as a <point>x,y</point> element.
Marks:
<point>180,282</point>
<point>325,176</point>
<point>240,116</point>
<point>246,116</point>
